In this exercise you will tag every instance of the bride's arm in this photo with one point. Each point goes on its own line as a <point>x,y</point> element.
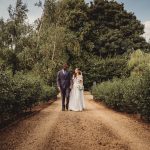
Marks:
<point>81,79</point>
<point>72,82</point>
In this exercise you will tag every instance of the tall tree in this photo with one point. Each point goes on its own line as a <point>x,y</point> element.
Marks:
<point>104,27</point>
<point>17,27</point>
<point>84,35</point>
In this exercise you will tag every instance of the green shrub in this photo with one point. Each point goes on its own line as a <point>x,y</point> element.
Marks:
<point>6,95</point>
<point>130,95</point>
<point>110,92</point>
<point>27,90</point>
<point>48,93</point>
<point>21,92</point>
<point>144,94</point>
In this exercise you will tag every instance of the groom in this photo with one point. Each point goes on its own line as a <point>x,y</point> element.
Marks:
<point>63,83</point>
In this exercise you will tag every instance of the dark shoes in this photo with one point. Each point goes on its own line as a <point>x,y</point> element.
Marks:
<point>67,107</point>
<point>63,109</point>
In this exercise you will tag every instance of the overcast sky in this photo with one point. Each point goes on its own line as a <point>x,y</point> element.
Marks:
<point>141,8</point>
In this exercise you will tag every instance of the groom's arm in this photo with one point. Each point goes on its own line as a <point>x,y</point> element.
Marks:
<point>58,80</point>
<point>71,81</point>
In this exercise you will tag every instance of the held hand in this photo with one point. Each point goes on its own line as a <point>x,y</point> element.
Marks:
<point>59,89</point>
<point>81,81</point>
<point>70,88</point>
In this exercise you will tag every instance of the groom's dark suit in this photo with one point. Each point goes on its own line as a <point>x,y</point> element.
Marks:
<point>64,82</point>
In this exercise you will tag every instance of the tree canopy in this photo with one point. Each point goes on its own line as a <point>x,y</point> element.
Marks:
<point>73,32</point>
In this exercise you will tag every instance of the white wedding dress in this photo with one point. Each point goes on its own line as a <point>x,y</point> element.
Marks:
<point>76,102</point>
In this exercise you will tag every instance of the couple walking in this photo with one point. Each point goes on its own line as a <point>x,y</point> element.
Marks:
<point>71,88</point>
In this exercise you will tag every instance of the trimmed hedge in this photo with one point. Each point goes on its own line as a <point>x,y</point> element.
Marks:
<point>130,95</point>
<point>20,93</point>
<point>48,93</point>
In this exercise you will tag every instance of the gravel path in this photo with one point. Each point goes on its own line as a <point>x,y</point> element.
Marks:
<point>97,128</point>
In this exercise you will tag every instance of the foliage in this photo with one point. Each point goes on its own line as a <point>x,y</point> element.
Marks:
<point>138,62</point>
<point>21,92</point>
<point>99,69</point>
<point>71,31</point>
<point>104,27</point>
<point>98,38</point>
<point>48,93</point>
<point>6,95</point>
<point>53,45</point>
<point>20,86</point>
<point>130,94</point>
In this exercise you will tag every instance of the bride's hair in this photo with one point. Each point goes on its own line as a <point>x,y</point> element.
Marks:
<point>75,74</point>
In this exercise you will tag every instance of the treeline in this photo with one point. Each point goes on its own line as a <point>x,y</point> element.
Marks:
<point>92,37</point>
<point>96,37</point>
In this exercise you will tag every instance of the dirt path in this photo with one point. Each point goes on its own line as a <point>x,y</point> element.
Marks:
<point>97,128</point>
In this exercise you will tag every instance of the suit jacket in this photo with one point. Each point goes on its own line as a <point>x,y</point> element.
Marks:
<point>63,80</point>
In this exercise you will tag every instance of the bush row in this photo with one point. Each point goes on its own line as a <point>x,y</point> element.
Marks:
<point>130,95</point>
<point>20,93</point>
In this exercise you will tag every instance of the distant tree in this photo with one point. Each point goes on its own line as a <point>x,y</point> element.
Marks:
<point>17,30</point>
<point>97,34</point>
<point>16,36</point>
<point>104,27</point>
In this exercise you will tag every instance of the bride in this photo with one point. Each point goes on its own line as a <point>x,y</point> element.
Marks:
<point>76,102</point>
